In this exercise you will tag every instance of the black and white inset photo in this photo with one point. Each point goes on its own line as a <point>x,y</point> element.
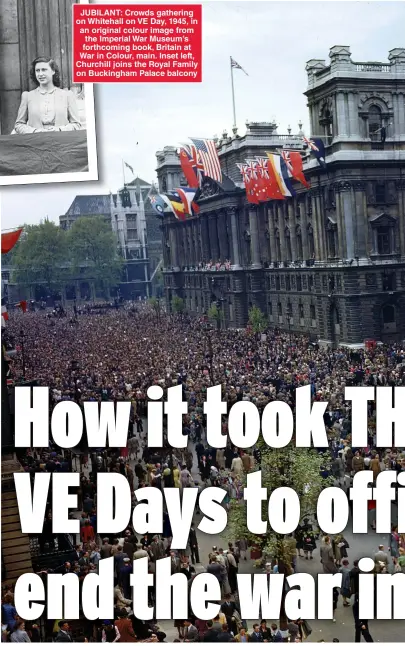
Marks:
<point>47,125</point>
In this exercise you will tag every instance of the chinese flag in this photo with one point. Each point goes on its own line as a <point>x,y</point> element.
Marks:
<point>8,240</point>
<point>188,170</point>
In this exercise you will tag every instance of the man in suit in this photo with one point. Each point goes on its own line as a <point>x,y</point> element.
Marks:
<point>63,633</point>
<point>191,632</point>
<point>193,543</point>
<point>257,635</point>
<point>211,634</point>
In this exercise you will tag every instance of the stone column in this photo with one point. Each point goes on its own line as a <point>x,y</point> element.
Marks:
<point>272,234</point>
<point>254,236</point>
<point>341,114</point>
<point>233,214</point>
<point>291,223</point>
<point>174,248</point>
<point>361,220</point>
<point>347,214</point>
<point>281,228</point>
<point>304,232</point>
<point>213,236</point>
<point>400,186</point>
<point>353,115</point>
<point>205,238</point>
<point>223,236</point>
<point>401,115</point>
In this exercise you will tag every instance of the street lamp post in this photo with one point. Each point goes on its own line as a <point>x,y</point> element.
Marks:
<point>22,351</point>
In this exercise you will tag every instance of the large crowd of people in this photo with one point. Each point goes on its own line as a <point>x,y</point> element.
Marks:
<point>116,356</point>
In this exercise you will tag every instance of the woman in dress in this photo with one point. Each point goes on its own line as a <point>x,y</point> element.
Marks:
<point>47,108</point>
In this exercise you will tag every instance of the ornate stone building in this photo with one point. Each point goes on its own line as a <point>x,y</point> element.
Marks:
<point>330,261</point>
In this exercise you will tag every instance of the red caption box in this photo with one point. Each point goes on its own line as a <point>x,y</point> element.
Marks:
<point>136,43</point>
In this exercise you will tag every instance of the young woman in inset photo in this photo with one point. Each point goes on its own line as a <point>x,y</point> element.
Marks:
<point>48,108</point>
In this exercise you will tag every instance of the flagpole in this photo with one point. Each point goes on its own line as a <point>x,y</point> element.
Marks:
<point>123,171</point>
<point>233,94</point>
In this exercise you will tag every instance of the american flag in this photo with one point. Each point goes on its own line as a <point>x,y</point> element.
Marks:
<point>209,158</point>
<point>236,65</point>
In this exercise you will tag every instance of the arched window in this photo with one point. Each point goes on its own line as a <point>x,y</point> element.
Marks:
<point>288,251</point>
<point>374,123</point>
<point>298,237</point>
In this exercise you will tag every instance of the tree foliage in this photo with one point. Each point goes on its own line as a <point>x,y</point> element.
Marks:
<point>215,314</point>
<point>41,255</point>
<point>257,320</point>
<point>93,251</point>
<point>178,305</point>
<point>297,468</point>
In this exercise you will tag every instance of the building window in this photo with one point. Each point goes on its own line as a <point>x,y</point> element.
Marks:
<point>388,281</point>
<point>311,245</point>
<point>301,310</point>
<point>383,240</point>
<point>288,251</point>
<point>332,240</point>
<point>310,283</point>
<point>312,312</point>
<point>270,308</point>
<point>380,193</point>
<point>277,282</point>
<point>132,231</point>
<point>289,310</point>
<point>388,314</point>
<point>287,283</point>
<point>298,237</point>
<point>374,123</point>
<point>299,284</point>
<point>279,309</point>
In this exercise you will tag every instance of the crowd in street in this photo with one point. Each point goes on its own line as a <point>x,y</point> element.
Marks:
<point>116,356</point>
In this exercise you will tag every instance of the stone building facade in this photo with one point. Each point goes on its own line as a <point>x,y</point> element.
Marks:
<point>329,262</point>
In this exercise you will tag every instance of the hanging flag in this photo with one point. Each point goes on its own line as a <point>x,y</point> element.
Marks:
<point>275,168</point>
<point>251,192</point>
<point>4,312</point>
<point>271,186</point>
<point>317,148</point>
<point>130,167</point>
<point>176,205</point>
<point>188,168</point>
<point>236,66</point>
<point>159,205</point>
<point>286,177</point>
<point>187,196</point>
<point>209,157</point>
<point>259,181</point>
<point>9,239</point>
<point>293,161</point>
<point>23,306</point>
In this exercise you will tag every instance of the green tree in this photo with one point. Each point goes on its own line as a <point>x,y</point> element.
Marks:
<point>178,305</point>
<point>156,306</point>
<point>215,314</point>
<point>257,320</point>
<point>297,468</point>
<point>93,252</point>
<point>40,256</point>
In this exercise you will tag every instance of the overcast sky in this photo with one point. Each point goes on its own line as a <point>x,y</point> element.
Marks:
<point>271,40</point>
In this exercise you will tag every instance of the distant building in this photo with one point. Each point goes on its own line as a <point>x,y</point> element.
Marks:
<point>329,262</point>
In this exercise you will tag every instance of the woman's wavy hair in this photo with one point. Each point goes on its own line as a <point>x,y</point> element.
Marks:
<point>52,65</point>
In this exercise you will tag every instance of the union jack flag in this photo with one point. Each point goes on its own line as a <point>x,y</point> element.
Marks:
<point>262,167</point>
<point>252,167</point>
<point>208,156</point>
<point>317,148</point>
<point>244,172</point>
<point>286,156</point>
<point>196,162</point>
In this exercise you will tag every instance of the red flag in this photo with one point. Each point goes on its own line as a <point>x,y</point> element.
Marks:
<point>8,240</point>
<point>23,305</point>
<point>188,170</point>
<point>270,189</point>
<point>294,165</point>
<point>251,189</point>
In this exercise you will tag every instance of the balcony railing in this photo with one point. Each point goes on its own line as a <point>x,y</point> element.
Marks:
<point>372,67</point>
